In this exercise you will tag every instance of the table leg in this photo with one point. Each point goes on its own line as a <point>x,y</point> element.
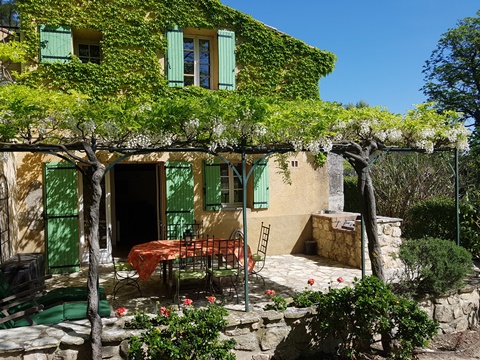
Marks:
<point>164,272</point>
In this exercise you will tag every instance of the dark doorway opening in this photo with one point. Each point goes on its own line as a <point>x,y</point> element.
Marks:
<point>135,204</point>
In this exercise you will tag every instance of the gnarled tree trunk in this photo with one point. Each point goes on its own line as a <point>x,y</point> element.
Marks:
<point>94,254</point>
<point>359,157</point>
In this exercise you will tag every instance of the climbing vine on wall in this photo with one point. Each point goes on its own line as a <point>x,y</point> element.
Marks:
<point>133,31</point>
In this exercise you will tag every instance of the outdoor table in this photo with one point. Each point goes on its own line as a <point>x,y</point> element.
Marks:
<point>146,257</point>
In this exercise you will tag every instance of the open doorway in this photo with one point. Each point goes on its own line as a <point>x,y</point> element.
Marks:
<point>135,194</point>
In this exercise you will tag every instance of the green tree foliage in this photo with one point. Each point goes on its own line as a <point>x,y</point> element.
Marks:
<point>8,13</point>
<point>453,71</point>
<point>403,179</point>
<point>433,266</point>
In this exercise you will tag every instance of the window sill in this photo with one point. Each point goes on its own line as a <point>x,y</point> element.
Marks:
<point>233,208</point>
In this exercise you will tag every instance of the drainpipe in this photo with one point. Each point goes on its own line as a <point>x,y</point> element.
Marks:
<point>245,235</point>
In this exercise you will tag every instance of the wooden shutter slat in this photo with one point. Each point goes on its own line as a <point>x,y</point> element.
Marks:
<point>261,185</point>
<point>180,194</point>
<point>55,43</point>
<point>226,60</point>
<point>175,65</point>
<point>61,217</point>
<point>212,186</point>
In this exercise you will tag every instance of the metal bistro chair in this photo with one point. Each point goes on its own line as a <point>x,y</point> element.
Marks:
<point>223,264</point>
<point>190,267</point>
<point>124,274</point>
<point>261,254</point>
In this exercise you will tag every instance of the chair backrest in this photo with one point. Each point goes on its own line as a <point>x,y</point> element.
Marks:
<point>224,253</point>
<point>263,240</point>
<point>237,234</point>
<point>192,256</point>
<point>176,231</point>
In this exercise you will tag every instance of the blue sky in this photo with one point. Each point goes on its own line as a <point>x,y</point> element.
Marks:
<point>381,45</point>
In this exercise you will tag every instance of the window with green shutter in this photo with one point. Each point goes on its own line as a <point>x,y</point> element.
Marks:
<point>55,43</point>
<point>190,59</point>
<point>261,185</point>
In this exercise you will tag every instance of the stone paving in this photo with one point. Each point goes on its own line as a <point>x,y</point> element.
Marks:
<point>285,274</point>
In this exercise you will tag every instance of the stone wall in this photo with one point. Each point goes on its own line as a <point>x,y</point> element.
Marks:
<point>338,237</point>
<point>260,335</point>
<point>455,312</point>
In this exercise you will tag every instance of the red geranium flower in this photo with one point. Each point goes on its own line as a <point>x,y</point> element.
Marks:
<point>211,299</point>
<point>187,302</point>
<point>121,311</point>
<point>164,311</point>
<point>340,279</point>
<point>311,281</point>
<point>270,292</point>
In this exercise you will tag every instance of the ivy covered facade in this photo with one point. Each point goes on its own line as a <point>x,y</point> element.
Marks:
<point>155,50</point>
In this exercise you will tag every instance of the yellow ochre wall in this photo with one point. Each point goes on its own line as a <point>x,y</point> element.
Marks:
<point>291,205</point>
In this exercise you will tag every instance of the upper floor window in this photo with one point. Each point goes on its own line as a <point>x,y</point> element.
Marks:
<point>88,53</point>
<point>197,61</point>
<point>58,43</point>
<point>199,57</point>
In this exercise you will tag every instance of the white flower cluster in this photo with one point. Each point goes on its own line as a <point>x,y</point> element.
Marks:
<point>327,144</point>
<point>5,117</point>
<point>191,127</point>
<point>139,141</point>
<point>427,145</point>
<point>394,135</point>
<point>218,128</point>
<point>297,145</point>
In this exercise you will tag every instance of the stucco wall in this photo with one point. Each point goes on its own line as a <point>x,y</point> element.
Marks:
<point>289,212</point>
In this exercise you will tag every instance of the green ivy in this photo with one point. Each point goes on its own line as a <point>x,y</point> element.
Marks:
<point>133,35</point>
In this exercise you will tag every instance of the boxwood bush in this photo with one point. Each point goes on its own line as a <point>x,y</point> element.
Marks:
<point>433,266</point>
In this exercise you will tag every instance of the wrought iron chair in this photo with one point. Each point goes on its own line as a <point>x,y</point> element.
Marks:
<point>261,254</point>
<point>223,264</point>
<point>190,267</point>
<point>124,274</point>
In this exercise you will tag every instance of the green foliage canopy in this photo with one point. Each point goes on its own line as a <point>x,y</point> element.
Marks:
<point>216,121</point>
<point>452,73</point>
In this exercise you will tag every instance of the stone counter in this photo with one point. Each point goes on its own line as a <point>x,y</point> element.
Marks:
<point>338,237</point>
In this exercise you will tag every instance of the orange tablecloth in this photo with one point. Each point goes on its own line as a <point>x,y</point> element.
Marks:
<point>146,257</point>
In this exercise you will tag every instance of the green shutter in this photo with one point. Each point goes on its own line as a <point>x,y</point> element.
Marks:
<point>226,60</point>
<point>211,186</point>
<point>55,43</point>
<point>261,185</point>
<point>61,217</point>
<point>175,56</point>
<point>180,194</point>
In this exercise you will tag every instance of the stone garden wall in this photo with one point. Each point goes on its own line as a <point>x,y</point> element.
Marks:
<point>260,335</point>
<point>338,237</point>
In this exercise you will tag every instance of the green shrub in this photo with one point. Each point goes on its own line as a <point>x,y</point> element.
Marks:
<point>470,222</point>
<point>191,334</point>
<point>434,217</point>
<point>306,298</point>
<point>357,315</point>
<point>433,266</point>
<point>351,195</point>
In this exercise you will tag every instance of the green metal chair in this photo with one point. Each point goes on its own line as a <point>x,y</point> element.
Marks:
<point>223,265</point>
<point>261,255</point>
<point>190,267</point>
